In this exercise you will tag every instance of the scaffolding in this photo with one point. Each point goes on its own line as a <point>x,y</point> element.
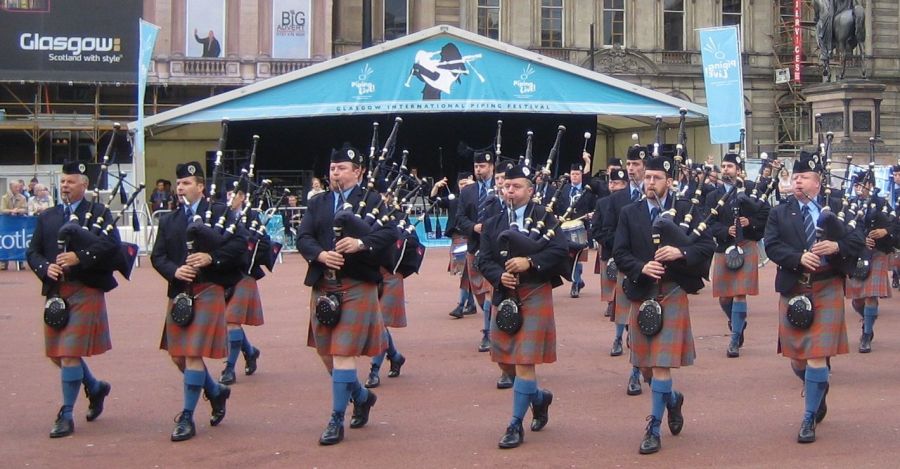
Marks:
<point>794,121</point>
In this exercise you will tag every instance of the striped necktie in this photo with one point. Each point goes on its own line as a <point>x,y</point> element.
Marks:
<point>654,212</point>
<point>809,227</point>
<point>635,194</point>
<point>67,212</point>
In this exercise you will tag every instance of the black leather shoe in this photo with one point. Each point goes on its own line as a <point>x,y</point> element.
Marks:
<point>218,405</point>
<point>485,345</point>
<point>373,381</point>
<point>228,377</point>
<point>575,292</point>
<point>505,381</point>
<point>333,434</point>
<point>513,437</point>
<point>95,400</point>
<point>676,419</point>
<point>651,442</point>
<point>865,342</point>
<point>823,407</point>
<point>457,312</point>
<point>62,426</point>
<point>895,283</point>
<point>184,428</point>
<point>634,386</point>
<point>361,411</point>
<point>250,366</point>
<point>616,348</point>
<point>609,310</point>
<point>733,351</point>
<point>807,431</point>
<point>469,310</point>
<point>541,413</point>
<point>395,366</point>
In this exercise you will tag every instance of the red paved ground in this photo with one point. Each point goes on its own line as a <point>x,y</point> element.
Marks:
<point>444,411</point>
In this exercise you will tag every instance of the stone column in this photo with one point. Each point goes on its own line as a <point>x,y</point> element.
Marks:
<point>846,138</point>
<point>877,120</point>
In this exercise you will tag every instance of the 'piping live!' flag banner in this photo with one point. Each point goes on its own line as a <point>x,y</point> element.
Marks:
<point>724,80</point>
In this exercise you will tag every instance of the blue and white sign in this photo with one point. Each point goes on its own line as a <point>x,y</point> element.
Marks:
<point>439,73</point>
<point>15,236</point>
<point>720,49</point>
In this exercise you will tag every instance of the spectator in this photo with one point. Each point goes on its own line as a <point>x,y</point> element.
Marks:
<point>13,203</point>
<point>290,216</point>
<point>317,189</point>
<point>31,190</point>
<point>211,46</point>
<point>785,187</point>
<point>40,201</point>
<point>161,199</point>
<point>25,193</point>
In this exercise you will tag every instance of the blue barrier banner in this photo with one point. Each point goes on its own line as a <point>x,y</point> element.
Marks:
<point>15,235</point>
<point>723,76</point>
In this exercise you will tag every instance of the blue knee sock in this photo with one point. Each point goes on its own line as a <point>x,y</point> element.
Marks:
<point>816,380</point>
<point>738,319</point>
<point>90,383</point>
<point>71,383</point>
<point>391,350</point>
<point>858,306</point>
<point>726,306</point>
<point>635,372</point>
<point>801,372</point>
<point>193,383</point>
<point>235,339</point>
<point>870,314</point>
<point>620,329</point>
<point>487,316</point>
<point>377,360</point>
<point>523,393</point>
<point>246,346</point>
<point>209,384</point>
<point>357,392</point>
<point>576,277</point>
<point>662,392</point>
<point>463,296</point>
<point>340,389</point>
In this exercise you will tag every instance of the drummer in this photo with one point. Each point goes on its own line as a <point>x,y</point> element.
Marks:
<point>578,200</point>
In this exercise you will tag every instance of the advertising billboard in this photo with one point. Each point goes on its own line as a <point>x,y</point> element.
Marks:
<point>205,35</point>
<point>69,40</point>
<point>291,21</point>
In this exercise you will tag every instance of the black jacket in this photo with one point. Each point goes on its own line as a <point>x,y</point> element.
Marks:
<point>596,233</point>
<point>633,247</point>
<point>170,251</point>
<point>719,224</point>
<point>451,206</point>
<point>316,234</point>
<point>610,217</point>
<point>96,259</point>
<point>470,213</point>
<point>583,206</point>
<point>547,262</point>
<point>875,218</point>
<point>785,240</point>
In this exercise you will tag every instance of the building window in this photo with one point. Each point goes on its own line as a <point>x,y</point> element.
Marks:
<point>395,24</point>
<point>673,25</point>
<point>613,22</point>
<point>489,18</point>
<point>731,13</point>
<point>29,5</point>
<point>551,23</point>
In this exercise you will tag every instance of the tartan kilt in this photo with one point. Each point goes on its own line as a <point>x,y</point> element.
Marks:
<point>479,286</point>
<point>622,309</point>
<point>598,263</point>
<point>87,332</point>
<point>828,334</point>
<point>673,346</point>
<point>729,283</point>
<point>392,299</point>
<point>457,265</point>
<point>607,287</point>
<point>361,328</point>
<point>535,342</point>
<point>878,284</point>
<point>245,305</point>
<point>206,336</point>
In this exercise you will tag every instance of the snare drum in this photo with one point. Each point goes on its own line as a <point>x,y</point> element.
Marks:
<point>575,233</point>
<point>457,259</point>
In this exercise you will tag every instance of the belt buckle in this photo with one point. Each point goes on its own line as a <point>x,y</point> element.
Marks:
<point>806,279</point>
<point>330,274</point>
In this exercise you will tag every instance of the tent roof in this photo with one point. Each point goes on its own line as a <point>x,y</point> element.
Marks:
<point>465,71</point>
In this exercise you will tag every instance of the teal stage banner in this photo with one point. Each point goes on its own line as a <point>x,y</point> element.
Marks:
<point>723,76</point>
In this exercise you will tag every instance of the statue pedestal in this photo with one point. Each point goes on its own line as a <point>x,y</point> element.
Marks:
<point>851,109</point>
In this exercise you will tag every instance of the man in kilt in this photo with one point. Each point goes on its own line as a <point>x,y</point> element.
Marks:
<point>732,286</point>
<point>80,274</point>
<point>634,167</point>
<point>204,275</point>
<point>813,268</point>
<point>532,275</point>
<point>578,199</point>
<point>671,272</point>
<point>477,203</point>
<point>608,273</point>
<point>893,197</point>
<point>347,267</point>
<point>243,303</point>
<point>864,288</point>
<point>459,242</point>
